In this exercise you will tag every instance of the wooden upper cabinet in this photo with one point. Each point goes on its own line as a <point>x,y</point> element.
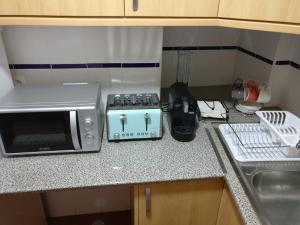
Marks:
<point>265,10</point>
<point>62,7</point>
<point>172,8</point>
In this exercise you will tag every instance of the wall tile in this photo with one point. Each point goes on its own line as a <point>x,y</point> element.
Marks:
<point>142,44</point>
<point>65,44</point>
<point>201,36</point>
<point>6,83</point>
<point>26,45</point>
<point>213,67</point>
<point>291,92</point>
<point>169,68</point>
<point>82,45</point>
<point>136,80</point>
<point>262,43</point>
<point>248,67</point>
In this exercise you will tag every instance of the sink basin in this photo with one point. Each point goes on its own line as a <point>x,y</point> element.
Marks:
<point>279,195</point>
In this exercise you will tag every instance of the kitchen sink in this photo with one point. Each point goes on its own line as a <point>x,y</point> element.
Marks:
<point>278,193</point>
<point>272,187</point>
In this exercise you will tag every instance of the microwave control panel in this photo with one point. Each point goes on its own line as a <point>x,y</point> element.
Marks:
<point>89,128</point>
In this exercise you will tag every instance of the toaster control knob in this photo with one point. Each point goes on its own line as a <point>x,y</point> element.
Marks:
<point>153,134</point>
<point>88,122</point>
<point>116,136</point>
<point>89,139</point>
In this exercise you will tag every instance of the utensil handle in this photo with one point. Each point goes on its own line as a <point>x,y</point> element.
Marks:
<point>135,5</point>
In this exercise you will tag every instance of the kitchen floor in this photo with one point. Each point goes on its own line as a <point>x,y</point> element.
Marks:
<point>110,218</point>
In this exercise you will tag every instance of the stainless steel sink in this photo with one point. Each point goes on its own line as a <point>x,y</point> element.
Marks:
<point>272,187</point>
<point>278,193</point>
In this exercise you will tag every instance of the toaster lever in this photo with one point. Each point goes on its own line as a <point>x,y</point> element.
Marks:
<point>147,118</point>
<point>123,118</point>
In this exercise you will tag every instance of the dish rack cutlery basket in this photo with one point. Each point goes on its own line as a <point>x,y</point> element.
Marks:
<point>275,138</point>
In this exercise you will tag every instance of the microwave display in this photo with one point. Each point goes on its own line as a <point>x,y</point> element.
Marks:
<point>36,132</point>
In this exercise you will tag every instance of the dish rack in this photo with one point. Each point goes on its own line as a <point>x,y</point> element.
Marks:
<point>275,138</point>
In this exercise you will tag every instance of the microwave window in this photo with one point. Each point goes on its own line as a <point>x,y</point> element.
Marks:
<point>34,132</point>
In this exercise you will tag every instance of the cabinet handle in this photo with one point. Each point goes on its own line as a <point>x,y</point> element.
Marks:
<point>135,5</point>
<point>148,200</point>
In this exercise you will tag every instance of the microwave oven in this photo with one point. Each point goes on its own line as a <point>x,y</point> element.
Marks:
<point>52,118</point>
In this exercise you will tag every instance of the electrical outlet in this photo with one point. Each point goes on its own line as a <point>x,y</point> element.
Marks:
<point>19,79</point>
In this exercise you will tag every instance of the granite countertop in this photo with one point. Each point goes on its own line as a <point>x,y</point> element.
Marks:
<point>117,163</point>
<point>131,162</point>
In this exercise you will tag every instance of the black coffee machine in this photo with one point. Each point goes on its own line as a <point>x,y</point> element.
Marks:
<point>182,112</point>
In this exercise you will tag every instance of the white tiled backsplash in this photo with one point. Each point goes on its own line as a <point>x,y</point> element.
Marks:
<point>219,56</point>
<point>208,67</point>
<point>5,78</point>
<point>41,48</point>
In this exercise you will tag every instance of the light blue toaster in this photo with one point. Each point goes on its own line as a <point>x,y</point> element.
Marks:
<point>133,116</point>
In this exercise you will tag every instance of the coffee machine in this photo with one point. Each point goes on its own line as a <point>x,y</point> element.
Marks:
<point>182,112</point>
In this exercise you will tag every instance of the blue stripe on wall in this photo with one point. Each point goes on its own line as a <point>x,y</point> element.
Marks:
<point>104,65</point>
<point>83,65</point>
<point>151,65</point>
<point>69,66</point>
<point>201,48</point>
<point>288,62</point>
<point>31,66</point>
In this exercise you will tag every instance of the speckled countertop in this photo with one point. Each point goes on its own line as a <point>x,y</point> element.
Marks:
<point>117,163</point>
<point>129,163</point>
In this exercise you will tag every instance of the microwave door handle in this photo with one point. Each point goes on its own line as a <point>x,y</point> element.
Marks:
<point>74,133</point>
<point>2,148</point>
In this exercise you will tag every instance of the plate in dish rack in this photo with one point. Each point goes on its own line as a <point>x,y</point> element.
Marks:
<point>252,142</point>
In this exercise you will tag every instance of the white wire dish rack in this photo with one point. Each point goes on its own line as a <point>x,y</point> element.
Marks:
<point>275,138</point>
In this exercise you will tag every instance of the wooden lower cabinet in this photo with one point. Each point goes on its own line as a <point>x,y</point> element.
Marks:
<point>22,209</point>
<point>228,213</point>
<point>195,202</point>
<point>178,203</point>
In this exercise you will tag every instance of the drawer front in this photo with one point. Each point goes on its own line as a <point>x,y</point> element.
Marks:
<point>265,10</point>
<point>171,8</point>
<point>62,7</point>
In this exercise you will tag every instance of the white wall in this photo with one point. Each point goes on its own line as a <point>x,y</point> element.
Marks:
<point>6,83</point>
<point>286,79</point>
<point>261,43</point>
<point>60,45</point>
<point>209,67</point>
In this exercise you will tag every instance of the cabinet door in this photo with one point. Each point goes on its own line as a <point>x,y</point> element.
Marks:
<point>25,209</point>
<point>62,7</point>
<point>179,203</point>
<point>228,213</point>
<point>266,10</point>
<point>172,8</point>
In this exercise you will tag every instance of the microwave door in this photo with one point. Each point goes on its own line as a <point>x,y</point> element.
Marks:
<point>74,130</point>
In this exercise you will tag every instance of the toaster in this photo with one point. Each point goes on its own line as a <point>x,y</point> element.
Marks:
<point>133,116</point>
